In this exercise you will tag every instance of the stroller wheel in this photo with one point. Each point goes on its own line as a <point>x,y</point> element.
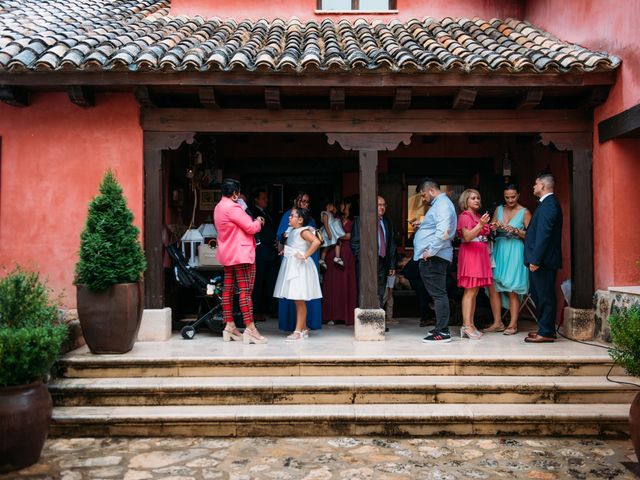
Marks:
<point>188,332</point>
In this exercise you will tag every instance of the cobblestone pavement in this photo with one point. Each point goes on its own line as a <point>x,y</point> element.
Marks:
<point>330,458</point>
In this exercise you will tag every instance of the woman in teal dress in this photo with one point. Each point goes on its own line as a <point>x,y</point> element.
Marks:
<point>510,275</point>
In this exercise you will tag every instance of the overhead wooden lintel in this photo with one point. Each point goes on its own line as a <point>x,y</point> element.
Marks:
<point>272,98</point>
<point>417,121</point>
<point>530,99</point>
<point>464,98</point>
<point>402,99</point>
<point>144,96</point>
<point>81,95</point>
<point>14,96</point>
<point>207,97</point>
<point>337,98</point>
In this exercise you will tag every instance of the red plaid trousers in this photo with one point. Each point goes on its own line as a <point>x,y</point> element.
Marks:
<point>241,277</point>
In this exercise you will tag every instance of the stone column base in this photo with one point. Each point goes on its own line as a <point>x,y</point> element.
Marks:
<point>579,323</point>
<point>369,324</point>
<point>155,325</point>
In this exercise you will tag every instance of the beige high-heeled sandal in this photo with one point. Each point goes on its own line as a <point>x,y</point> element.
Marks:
<point>467,332</point>
<point>296,336</point>
<point>251,335</point>
<point>232,333</point>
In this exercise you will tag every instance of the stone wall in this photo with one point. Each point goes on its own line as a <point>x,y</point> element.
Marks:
<point>606,302</point>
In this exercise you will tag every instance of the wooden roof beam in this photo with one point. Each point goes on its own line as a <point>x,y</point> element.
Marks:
<point>81,96</point>
<point>337,98</point>
<point>530,100</point>
<point>324,80</point>
<point>464,99</point>
<point>207,97</point>
<point>14,96</point>
<point>272,98</point>
<point>402,99</point>
<point>596,96</point>
<point>144,96</point>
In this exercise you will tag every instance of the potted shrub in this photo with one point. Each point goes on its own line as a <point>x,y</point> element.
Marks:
<point>109,273</point>
<point>625,335</point>
<point>30,339</point>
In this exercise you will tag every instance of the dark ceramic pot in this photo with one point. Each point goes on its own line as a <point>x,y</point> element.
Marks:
<point>25,413</point>
<point>110,320</point>
<point>634,424</point>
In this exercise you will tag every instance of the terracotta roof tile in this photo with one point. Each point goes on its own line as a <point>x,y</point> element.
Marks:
<point>141,35</point>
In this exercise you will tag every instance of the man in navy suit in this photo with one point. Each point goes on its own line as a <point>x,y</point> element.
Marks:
<point>543,257</point>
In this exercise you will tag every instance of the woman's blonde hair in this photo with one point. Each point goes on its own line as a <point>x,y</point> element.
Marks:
<point>464,198</point>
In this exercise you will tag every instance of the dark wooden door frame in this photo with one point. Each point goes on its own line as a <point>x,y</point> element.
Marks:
<point>168,128</point>
<point>580,148</point>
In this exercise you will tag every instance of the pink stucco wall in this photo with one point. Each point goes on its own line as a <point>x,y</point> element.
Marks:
<point>66,150</point>
<point>611,27</point>
<point>306,9</point>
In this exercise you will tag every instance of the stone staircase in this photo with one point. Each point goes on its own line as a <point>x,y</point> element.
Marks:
<point>315,395</point>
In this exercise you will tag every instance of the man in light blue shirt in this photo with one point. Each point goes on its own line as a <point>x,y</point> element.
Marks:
<point>432,249</point>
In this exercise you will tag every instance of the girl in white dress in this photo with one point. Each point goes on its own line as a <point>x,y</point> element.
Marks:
<point>332,231</point>
<point>298,278</point>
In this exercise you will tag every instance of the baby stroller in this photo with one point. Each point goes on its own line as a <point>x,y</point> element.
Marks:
<point>209,293</point>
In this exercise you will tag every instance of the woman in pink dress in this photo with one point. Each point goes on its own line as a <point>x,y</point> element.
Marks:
<point>474,264</point>
<point>339,289</point>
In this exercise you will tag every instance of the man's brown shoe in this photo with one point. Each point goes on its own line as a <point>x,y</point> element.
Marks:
<point>539,339</point>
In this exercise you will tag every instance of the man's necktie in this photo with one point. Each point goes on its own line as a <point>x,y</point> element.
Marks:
<point>382,244</point>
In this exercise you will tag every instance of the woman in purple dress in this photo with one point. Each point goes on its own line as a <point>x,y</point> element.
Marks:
<point>339,286</point>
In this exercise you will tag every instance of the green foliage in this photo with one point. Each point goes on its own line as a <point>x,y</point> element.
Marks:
<point>625,334</point>
<point>30,333</point>
<point>110,251</point>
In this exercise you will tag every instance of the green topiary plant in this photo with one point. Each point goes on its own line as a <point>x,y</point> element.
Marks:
<point>625,335</point>
<point>30,333</point>
<point>110,252</point>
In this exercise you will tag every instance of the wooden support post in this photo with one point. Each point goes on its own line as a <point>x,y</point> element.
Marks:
<point>581,204</point>
<point>337,99</point>
<point>402,99</point>
<point>368,241</point>
<point>154,143</point>
<point>368,146</point>
<point>144,96</point>
<point>272,98</point>
<point>530,100</point>
<point>582,281</point>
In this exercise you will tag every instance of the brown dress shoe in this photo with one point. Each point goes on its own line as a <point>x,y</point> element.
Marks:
<point>539,339</point>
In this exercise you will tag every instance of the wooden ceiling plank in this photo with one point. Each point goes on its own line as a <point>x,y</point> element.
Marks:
<point>464,99</point>
<point>81,95</point>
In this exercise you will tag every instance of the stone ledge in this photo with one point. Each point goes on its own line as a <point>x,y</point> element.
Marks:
<point>369,324</point>
<point>155,325</point>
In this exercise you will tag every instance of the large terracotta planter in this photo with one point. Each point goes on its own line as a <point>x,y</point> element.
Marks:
<point>634,424</point>
<point>110,320</point>
<point>25,413</point>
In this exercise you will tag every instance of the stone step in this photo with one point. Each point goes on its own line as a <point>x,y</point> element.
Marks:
<point>339,390</point>
<point>105,366</point>
<point>322,420</point>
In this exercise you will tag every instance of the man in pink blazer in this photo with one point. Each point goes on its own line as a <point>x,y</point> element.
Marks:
<point>237,253</point>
